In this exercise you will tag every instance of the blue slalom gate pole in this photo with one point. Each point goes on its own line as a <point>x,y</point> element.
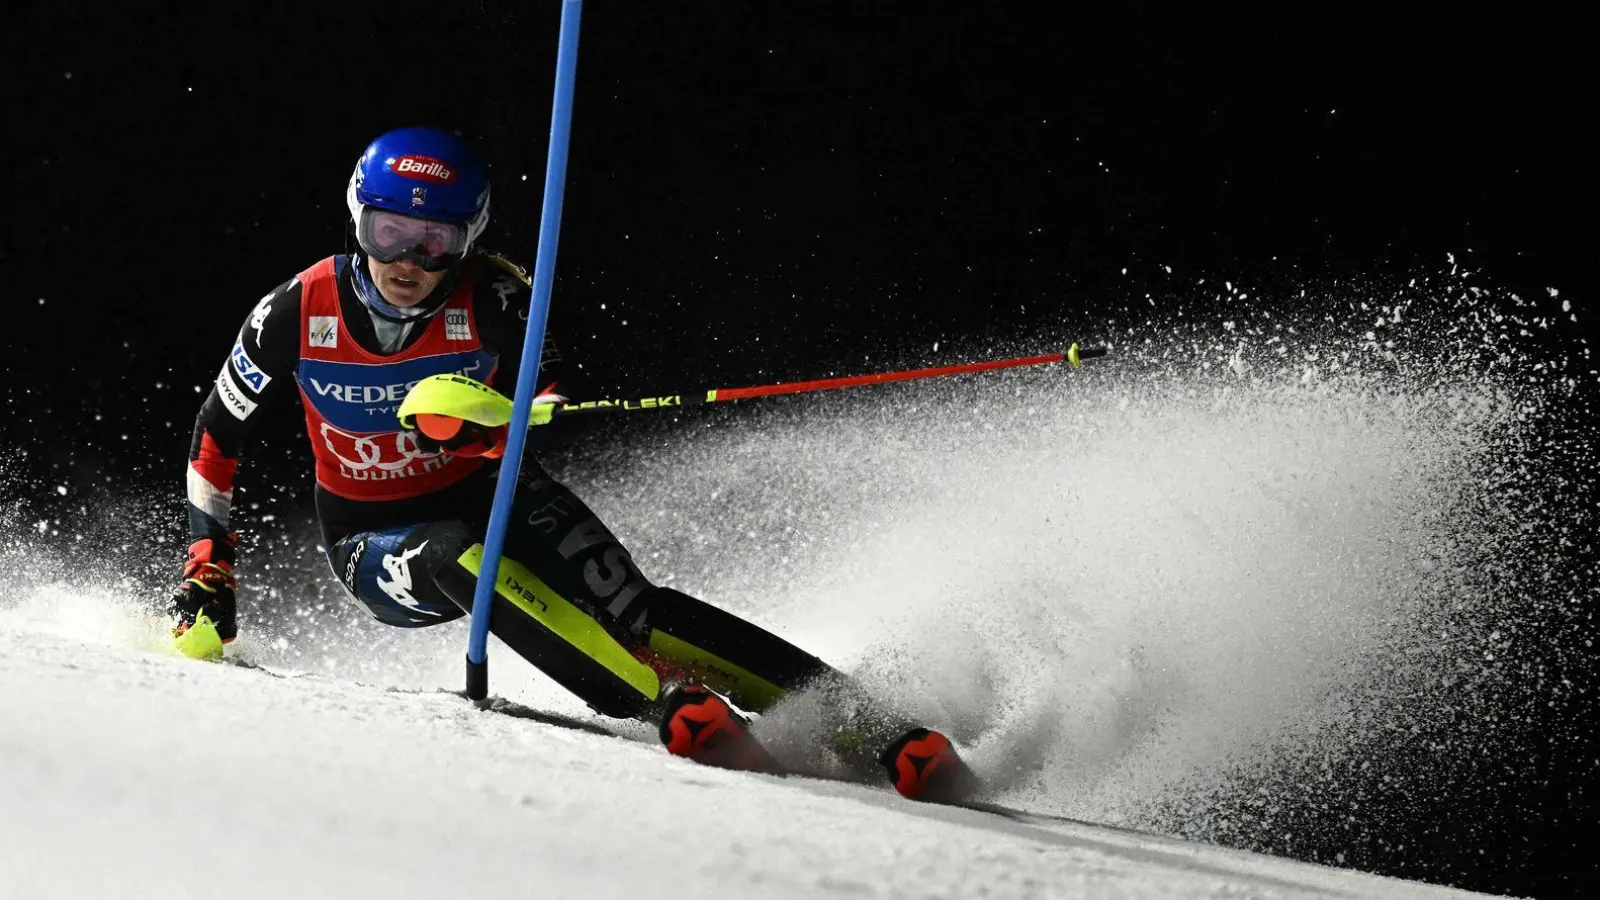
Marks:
<point>544,266</point>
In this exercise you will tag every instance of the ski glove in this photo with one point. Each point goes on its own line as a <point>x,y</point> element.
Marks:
<point>208,587</point>
<point>464,417</point>
<point>456,414</point>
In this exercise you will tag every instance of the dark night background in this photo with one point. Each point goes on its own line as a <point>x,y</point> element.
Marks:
<point>780,190</point>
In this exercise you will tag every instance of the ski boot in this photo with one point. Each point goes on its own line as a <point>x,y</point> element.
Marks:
<point>922,765</point>
<point>698,724</point>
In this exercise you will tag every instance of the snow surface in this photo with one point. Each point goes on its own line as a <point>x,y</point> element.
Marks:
<point>125,773</point>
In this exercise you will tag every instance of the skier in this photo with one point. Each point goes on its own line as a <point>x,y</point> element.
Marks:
<point>403,513</point>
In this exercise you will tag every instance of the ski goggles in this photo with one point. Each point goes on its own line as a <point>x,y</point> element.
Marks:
<point>390,237</point>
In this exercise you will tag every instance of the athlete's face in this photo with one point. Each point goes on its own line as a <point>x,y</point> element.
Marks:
<point>403,283</point>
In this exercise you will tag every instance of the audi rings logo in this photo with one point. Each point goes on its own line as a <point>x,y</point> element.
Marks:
<point>388,452</point>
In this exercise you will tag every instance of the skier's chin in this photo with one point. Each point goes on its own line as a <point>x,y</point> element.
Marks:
<point>404,286</point>
<point>404,293</point>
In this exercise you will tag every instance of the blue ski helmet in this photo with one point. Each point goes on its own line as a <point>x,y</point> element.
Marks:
<point>419,173</point>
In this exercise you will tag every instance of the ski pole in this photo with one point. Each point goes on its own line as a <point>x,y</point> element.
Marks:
<point>1074,356</point>
<point>437,405</point>
<point>555,173</point>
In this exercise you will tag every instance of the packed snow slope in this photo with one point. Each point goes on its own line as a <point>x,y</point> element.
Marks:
<point>1274,579</point>
<point>127,774</point>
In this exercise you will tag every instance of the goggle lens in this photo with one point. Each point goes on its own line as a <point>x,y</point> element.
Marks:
<point>389,237</point>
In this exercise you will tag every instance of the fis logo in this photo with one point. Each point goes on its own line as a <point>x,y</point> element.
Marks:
<point>324,331</point>
<point>247,370</point>
<point>423,168</point>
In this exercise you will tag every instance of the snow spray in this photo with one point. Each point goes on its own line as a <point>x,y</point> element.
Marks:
<point>1300,551</point>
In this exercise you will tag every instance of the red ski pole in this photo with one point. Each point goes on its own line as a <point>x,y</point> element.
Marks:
<point>1073,356</point>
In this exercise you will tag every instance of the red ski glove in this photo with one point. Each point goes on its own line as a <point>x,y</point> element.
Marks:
<point>208,587</point>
